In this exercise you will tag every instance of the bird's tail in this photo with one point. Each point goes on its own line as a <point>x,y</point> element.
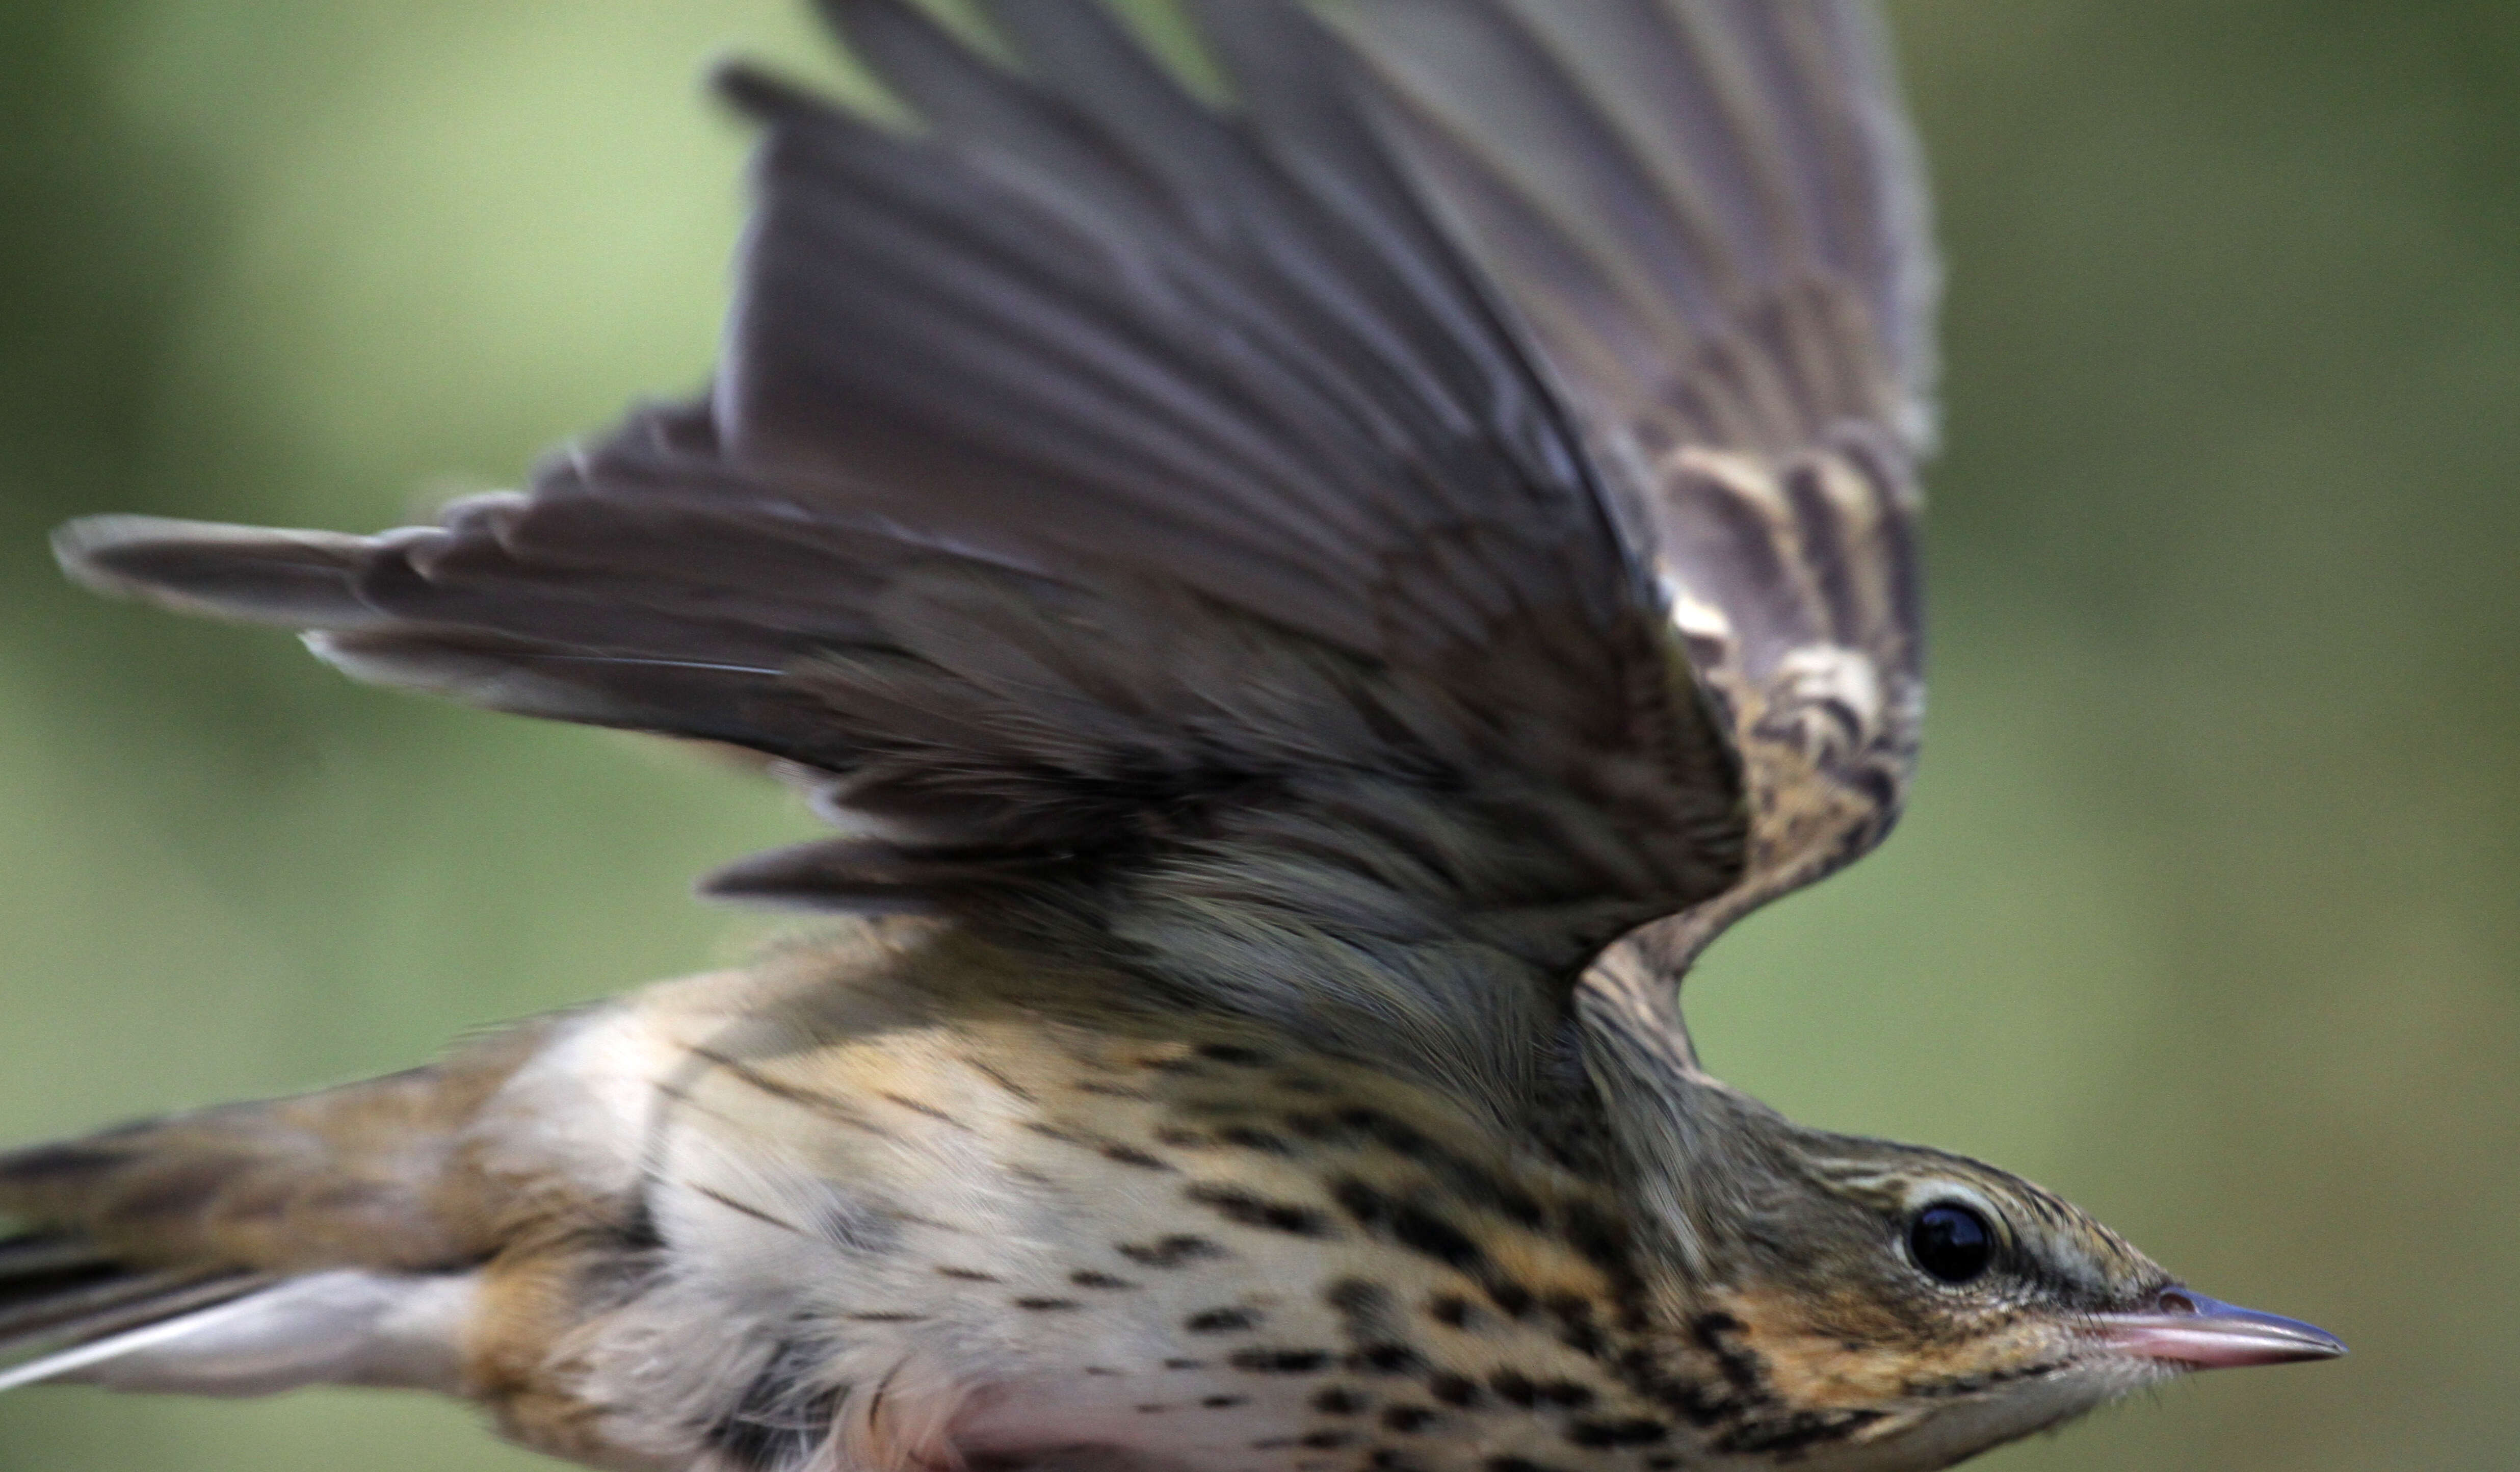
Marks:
<point>256,1246</point>
<point>63,1299</point>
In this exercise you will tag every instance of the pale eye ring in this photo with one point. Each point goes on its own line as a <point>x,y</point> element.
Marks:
<point>1952,1242</point>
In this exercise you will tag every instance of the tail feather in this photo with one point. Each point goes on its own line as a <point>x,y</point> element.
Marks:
<point>33,1302</point>
<point>153,1307</point>
<point>255,1246</point>
<point>367,1175</point>
<point>26,1259</point>
<point>60,1298</point>
<point>252,1334</point>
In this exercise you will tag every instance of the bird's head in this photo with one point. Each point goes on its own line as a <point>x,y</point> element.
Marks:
<point>1858,1304</point>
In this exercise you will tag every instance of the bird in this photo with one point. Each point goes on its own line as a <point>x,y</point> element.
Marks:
<point>1311,578</point>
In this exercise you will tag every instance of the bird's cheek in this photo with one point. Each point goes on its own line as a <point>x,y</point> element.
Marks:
<point>1993,1358</point>
<point>1816,1355</point>
<point>1850,1351</point>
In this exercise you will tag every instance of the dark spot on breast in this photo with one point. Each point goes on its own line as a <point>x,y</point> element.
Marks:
<point>916,1106</point>
<point>886,1318</point>
<point>1515,1464</point>
<point>1169,1252</point>
<point>1662,1463</point>
<point>829,1106</point>
<point>1096,1369</point>
<point>1454,1390</point>
<point>1795,1433</point>
<point>1383,1129</point>
<point>1309,1126</point>
<point>1280,1361</point>
<point>1326,1440</point>
<point>1048,1304</point>
<point>1450,1308</point>
<point>1237,1205</point>
<point>1224,1402</point>
<point>1234,1053</point>
<point>1566,1393</point>
<point>1184,1365</point>
<point>1423,1232</point>
<point>1510,1296</point>
<point>1720,1335</point>
<point>1099,1280</point>
<point>1338,1400</point>
<point>1515,1387</point>
<point>1517,1208</point>
<point>1180,1138</point>
<point>1249,1139</point>
<point>1368,1207</point>
<point>1575,1327</point>
<point>1411,1226</point>
<point>1131,1155</point>
<point>1221,1320</point>
<point>1387,1360</point>
<point>997,1077</point>
<point>1599,1238</point>
<point>1407,1418</point>
<point>1357,1298</point>
<point>1636,1432</point>
<point>1693,1401</point>
<point>737,1205</point>
<point>1112,1090</point>
<point>636,1233</point>
<point>966,1275</point>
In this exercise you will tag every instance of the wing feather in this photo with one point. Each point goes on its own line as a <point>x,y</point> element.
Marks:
<point>1708,217</point>
<point>1350,552</point>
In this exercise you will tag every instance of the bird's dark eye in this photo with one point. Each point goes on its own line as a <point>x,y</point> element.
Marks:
<point>1953,1242</point>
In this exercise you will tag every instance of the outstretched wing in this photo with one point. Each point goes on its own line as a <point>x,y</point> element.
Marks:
<point>1181,532</point>
<point>1709,217</point>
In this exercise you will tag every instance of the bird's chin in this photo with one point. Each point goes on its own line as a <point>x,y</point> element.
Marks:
<point>1955,1430</point>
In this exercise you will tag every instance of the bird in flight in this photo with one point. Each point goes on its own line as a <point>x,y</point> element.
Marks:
<point>1310,587</point>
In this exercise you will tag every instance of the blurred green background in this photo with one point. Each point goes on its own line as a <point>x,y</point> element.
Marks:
<point>2204,912</point>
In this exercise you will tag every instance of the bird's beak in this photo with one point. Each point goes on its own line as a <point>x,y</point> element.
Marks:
<point>2193,1330</point>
